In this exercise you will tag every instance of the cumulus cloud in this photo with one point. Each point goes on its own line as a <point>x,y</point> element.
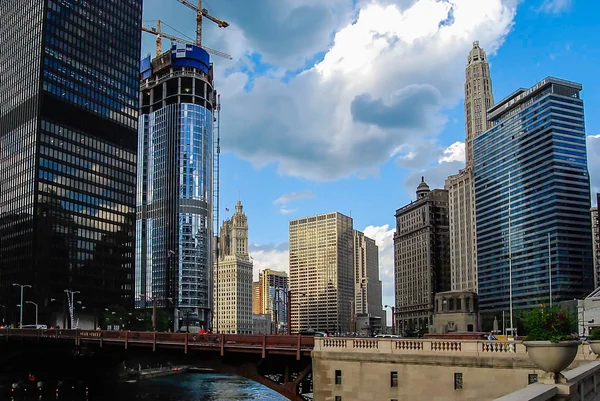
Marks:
<point>269,256</point>
<point>453,153</point>
<point>555,6</point>
<point>382,86</point>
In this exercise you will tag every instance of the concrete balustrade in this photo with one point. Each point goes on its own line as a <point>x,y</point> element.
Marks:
<point>582,384</point>
<point>508,349</point>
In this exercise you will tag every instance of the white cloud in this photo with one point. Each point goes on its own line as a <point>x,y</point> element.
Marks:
<point>270,257</point>
<point>292,196</point>
<point>284,199</point>
<point>382,86</point>
<point>555,6</point>
<point>447,162</point>
<point>453,153</point>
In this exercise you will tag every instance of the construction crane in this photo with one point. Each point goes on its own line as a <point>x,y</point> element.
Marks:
<point>160,34</point>
<point>200,13</point>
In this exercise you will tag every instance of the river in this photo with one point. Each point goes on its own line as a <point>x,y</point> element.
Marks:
<point>192,387</point>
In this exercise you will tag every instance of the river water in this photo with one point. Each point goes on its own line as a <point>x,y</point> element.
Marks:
<point>192,387</point>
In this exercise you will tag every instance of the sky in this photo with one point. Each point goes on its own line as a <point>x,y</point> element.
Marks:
<point>342,105</point>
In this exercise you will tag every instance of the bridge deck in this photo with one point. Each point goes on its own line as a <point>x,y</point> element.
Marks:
<point>274,344</point>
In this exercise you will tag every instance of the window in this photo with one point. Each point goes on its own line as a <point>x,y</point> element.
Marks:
<point>338,398</point>
<point>393,379</point>
<point>338,377</point>
<point>458,381</point>
<point>532,378</point>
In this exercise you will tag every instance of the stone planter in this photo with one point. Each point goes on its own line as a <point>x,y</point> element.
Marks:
<point>552,358</point>
<point>595,346</point>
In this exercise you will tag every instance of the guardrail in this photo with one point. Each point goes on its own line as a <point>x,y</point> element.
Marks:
<point>217,342</point>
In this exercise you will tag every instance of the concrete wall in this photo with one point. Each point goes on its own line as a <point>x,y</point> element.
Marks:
<point>420,378</point>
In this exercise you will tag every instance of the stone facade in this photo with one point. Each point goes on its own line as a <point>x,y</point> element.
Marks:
<point>456,311</point>
<point>418,378</point>
<point>367,286</point>
<point>233,277</point>
<point>421,258</point>
<point>596,238</point>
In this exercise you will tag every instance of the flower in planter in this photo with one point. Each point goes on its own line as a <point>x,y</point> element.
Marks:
<point>594,334</point>
<point>549,324</point>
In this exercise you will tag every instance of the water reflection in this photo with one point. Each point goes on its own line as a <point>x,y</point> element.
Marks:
<point>193,387</point>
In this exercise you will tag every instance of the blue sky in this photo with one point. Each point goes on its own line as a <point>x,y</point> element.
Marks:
<point>342,105</point>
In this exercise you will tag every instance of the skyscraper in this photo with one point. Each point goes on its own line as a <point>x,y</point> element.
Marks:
<point>68,141</point>
<point>367,286</point>
<point>233,277</point>
<point>460,187</point>
<point>273,286</point>
<point>421,258</point>
<point>531,180</point>
<point>174,225</point>
<point>321,272</point>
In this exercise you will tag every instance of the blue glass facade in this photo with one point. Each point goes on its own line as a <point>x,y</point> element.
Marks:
<point>531,177</point>
<point>174,230</point>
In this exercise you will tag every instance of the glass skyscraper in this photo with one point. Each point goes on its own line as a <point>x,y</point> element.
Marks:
<point>531,183</point>
<point>174,221</point>
<point>68,141</point>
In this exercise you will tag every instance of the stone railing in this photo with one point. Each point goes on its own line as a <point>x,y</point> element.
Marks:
<point>508,349</point>
<point>582,384</point>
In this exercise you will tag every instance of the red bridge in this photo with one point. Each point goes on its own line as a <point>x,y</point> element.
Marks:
<point>280,362</point>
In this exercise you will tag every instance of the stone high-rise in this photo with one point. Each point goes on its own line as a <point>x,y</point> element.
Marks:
<point>233,277</point>
<point>460,187</point>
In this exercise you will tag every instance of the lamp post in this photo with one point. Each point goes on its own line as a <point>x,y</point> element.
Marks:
<point>393,308</point>
<point>36,312</point>
<point>4,313</point>
<point>21,304</point>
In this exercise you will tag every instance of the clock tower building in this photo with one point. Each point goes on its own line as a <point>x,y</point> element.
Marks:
<point>233,277</point>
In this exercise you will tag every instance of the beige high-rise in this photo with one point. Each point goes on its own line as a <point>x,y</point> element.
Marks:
<point>233,278</point>
<point>273,286</point>
<point>321,272</point>
<point>460,187</point>
<point>367,286</point>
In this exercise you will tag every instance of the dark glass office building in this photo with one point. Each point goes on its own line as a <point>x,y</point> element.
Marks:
<point>174,224</point>
<point>68,142</point>
<point>531,181</point>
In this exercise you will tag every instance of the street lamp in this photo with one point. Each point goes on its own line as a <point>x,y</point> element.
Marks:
<point>393,318</point>
<point>36,312</point>
<point>4,314</point>
<point>21,305</point>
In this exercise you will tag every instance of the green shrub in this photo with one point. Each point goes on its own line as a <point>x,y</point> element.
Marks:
<point>549,324</point>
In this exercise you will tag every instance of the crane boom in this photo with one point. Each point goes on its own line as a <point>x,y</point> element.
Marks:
<point>157,31</point>
<point>202,12</point>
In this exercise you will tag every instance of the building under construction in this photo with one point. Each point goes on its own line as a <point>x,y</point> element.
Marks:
<point>174,222</point>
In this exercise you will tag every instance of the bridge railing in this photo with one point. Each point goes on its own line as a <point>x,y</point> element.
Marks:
<point>187,339</point>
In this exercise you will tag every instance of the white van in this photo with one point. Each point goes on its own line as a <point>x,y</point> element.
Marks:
<point>35,326</point>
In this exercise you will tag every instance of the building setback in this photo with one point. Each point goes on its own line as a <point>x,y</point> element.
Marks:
<point>68,142</point>
<point>321,272</point>
<point>531,180</point>
<point>421,258</point>
<point>460,187</point>
<point>174,224</point>
<point>233,277</point>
